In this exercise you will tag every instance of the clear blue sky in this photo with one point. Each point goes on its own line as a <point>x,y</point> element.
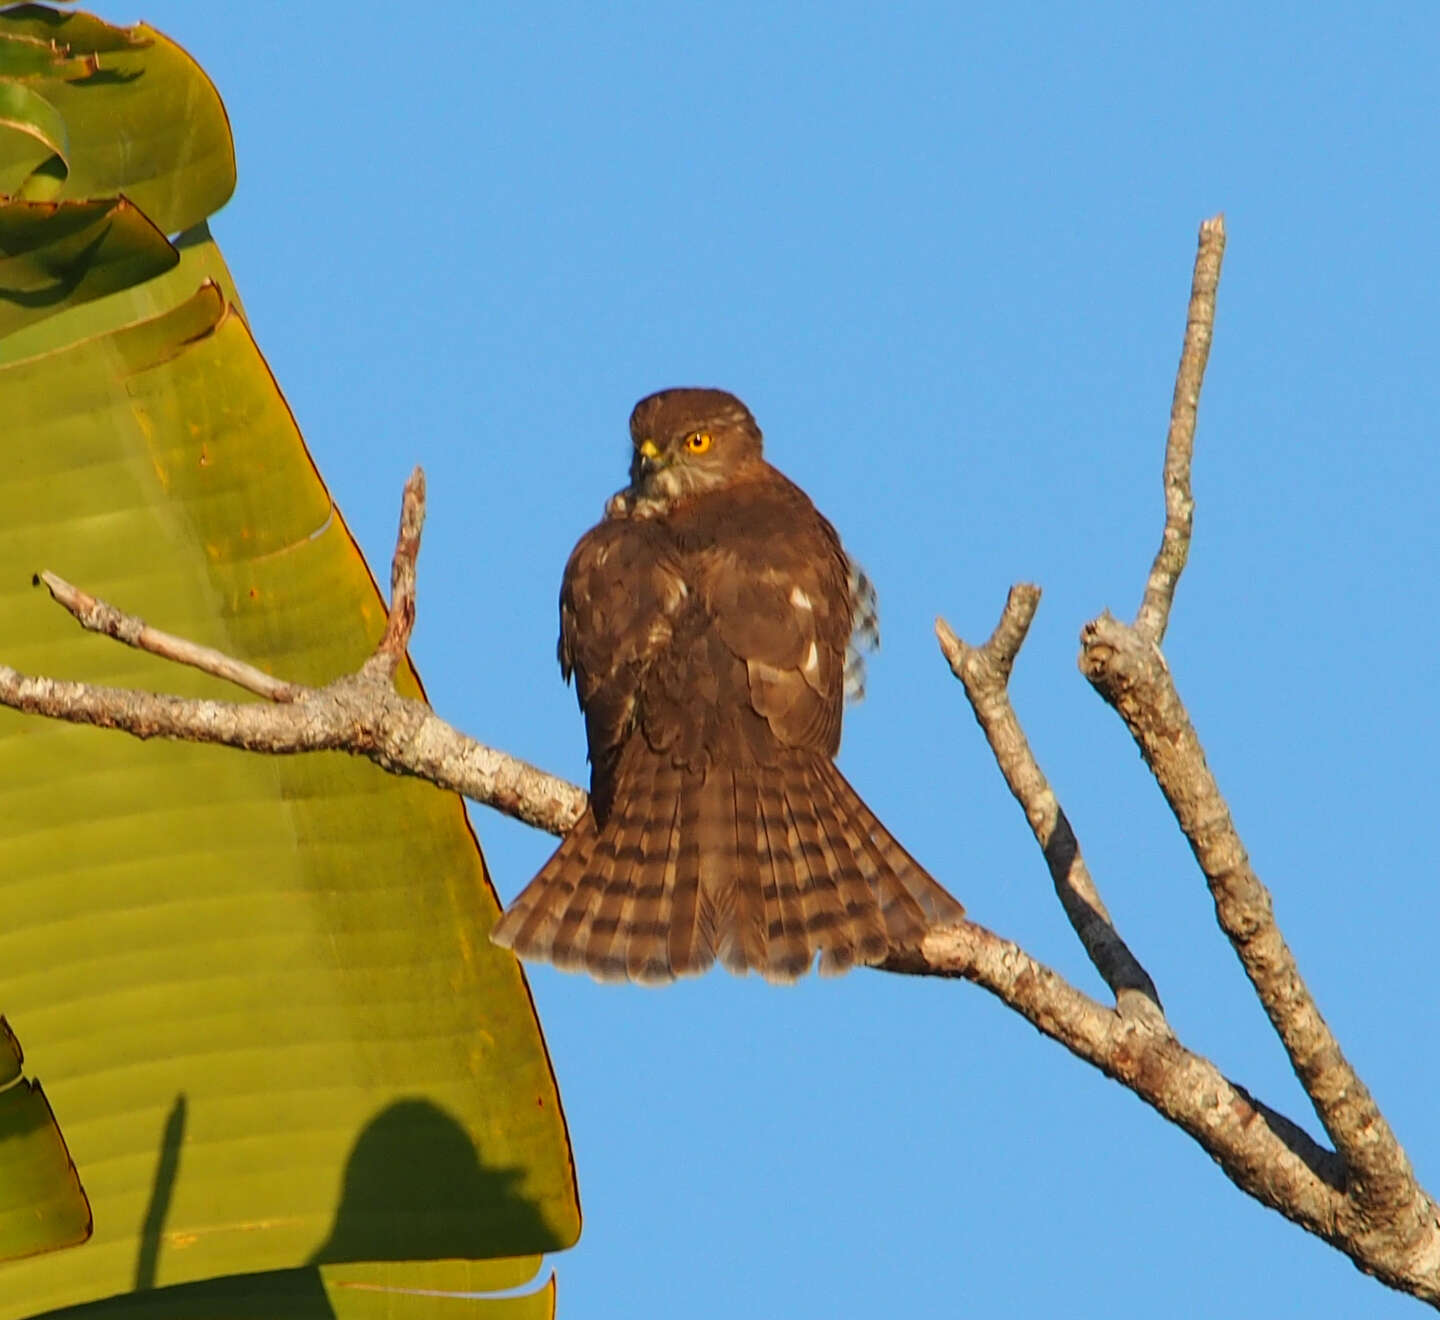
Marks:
<point>943,251</point>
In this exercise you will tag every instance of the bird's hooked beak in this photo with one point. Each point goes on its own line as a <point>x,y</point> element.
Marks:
<point>647,462</point>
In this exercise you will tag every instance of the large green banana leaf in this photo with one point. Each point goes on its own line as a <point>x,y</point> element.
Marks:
<point>258,990</point>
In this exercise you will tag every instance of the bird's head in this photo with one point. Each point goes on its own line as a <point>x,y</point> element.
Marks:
<point>688,441</point>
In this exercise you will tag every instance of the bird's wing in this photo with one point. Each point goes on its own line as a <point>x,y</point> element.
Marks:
<point>775,583</point>
<point>621,591</point>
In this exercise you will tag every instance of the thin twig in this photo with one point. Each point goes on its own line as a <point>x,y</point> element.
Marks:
<point>99,617</point>
<point>1154,614</point>
<point>400,620</point>
<point>985,673</point>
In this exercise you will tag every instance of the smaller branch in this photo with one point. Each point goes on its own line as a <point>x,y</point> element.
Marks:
<point>99,617</point>
<point>1261,1151</point>
<point>1132,676</point>
<point>400,620</point>
<point>1154,614</point>
<point>356,714</point>
<point>985,673</point>
<point>361,713</point>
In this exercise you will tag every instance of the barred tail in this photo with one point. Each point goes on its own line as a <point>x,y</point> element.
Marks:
<point>761,867</point>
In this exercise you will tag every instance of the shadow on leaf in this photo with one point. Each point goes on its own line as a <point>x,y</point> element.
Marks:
<point>415,1188</point>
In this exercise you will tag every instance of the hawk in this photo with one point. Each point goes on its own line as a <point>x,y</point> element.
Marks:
<point>706,622</point>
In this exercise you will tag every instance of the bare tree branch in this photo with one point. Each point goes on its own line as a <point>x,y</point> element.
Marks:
<point>985,672</point>
<point>1386,1222</point>
<point>1362,1198</point>
<point>96,616</point>
<point>1264,1153</point>
<point>355,714</point>
<point>1154,615</point>
<point>360,713</point>
<point>400,619</point>
<point>1261,1151</point>
<point>1133,677</point>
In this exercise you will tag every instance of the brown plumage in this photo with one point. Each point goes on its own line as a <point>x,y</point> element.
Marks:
<point>707,623</point>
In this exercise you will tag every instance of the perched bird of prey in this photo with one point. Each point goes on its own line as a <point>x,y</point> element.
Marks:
<point>706,622</point>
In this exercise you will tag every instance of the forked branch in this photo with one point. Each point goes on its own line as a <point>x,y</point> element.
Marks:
<point>360,713</point>
<point>1362,1197</point>
<point>985,672</point>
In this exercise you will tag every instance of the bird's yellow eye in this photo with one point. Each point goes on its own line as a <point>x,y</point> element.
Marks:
<point>697,442</point>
